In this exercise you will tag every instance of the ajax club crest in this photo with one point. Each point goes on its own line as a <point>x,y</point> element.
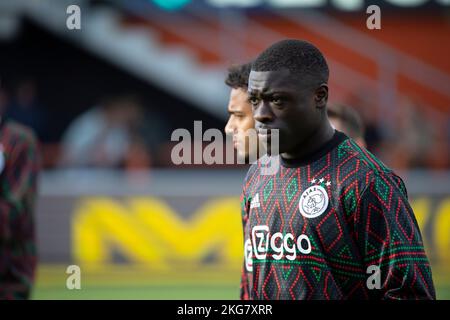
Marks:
<point>314,201</point>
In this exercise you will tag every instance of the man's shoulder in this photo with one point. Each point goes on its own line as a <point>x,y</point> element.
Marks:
<point>366,166</point>
<point>262,167</point>
<point>349,153</point>
<point>265,165</point>
<point>252,171</point>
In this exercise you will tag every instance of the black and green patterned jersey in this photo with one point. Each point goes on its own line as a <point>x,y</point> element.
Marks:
<point>19,167</point>
<point>334,225</point>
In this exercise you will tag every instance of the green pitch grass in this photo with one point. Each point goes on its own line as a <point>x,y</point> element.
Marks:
<point>138,284</point>
<point>125,282</point>
<point>140,293</point>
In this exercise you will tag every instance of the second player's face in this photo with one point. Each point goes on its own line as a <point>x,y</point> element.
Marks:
<point>239,122</point>
<point>281,102</point>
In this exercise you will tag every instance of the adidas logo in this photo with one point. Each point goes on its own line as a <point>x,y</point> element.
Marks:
<point>255,202</point>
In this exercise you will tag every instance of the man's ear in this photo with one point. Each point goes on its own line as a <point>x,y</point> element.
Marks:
<point>321,96</point>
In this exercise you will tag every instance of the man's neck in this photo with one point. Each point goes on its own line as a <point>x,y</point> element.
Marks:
<point>314,142</point>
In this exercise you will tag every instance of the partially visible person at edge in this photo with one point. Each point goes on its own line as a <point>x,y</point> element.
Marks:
<point>19,168</point>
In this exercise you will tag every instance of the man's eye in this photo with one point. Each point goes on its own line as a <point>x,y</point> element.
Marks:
<point>277,101</point>
<point>253,101</point>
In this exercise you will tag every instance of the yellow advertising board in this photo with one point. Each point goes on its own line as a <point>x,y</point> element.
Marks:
<point>148,231</point>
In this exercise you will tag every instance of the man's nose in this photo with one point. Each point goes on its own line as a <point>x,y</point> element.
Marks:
<point>263,113</point>
<point>229,128</point>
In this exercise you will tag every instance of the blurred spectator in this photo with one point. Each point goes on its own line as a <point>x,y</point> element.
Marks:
<point>369,112</point>
<point>347,120</point>
<point>24,108</point>
<point>116,134</point>
<point>412,140</point>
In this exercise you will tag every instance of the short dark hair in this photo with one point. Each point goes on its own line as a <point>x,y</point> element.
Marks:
<point>238,76</point>
<point>300,57</point>
<point>349,117</point>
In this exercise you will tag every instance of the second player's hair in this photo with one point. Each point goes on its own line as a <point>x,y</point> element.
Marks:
<point>237,77</point>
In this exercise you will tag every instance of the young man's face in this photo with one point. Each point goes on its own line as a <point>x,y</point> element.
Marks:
<point>281,102</point>
<point>240,121</point>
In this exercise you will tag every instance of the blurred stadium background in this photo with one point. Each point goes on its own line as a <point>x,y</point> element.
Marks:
<point>142,228</point>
